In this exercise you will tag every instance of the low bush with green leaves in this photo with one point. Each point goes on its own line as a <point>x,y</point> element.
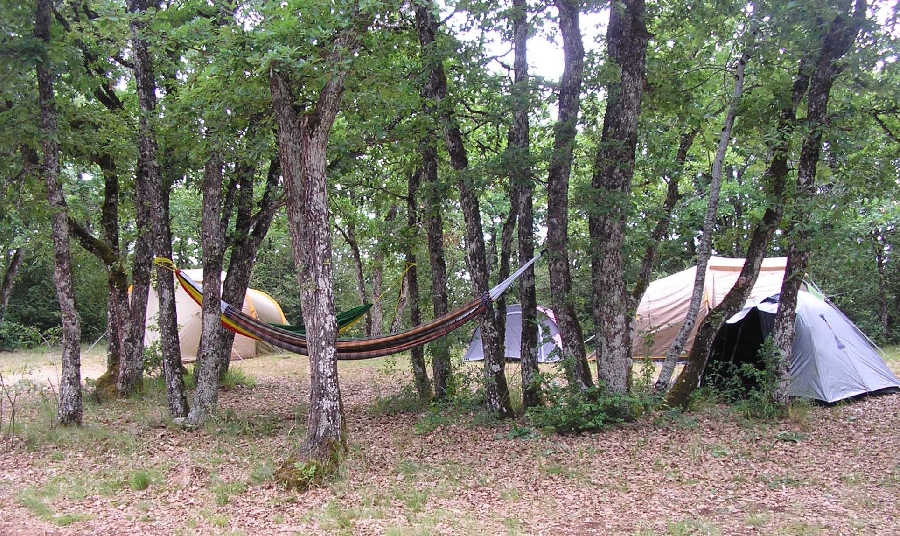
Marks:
<point>569,410</point>
<point>749,387</point>
<point>15,336</point>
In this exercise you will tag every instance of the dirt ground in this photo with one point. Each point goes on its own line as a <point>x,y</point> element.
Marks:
<point>825,470</point>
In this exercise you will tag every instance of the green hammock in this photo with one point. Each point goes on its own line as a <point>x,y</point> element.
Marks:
<point>345,320</point>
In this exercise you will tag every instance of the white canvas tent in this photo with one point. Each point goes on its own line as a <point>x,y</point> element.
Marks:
<point>831,358</point>
<point>548,336</point>
<point>256,303</point>
<point>665,304</point>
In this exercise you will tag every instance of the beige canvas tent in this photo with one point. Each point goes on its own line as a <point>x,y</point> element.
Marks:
<point>665,304</point>
<point>256,303</point>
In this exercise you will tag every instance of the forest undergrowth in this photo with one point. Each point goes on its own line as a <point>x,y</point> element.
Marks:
<point>449,468</point>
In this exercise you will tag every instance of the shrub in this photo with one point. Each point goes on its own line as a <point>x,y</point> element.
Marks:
<point>15,336</point>
<point>750,387</point>
<point>569,410</point>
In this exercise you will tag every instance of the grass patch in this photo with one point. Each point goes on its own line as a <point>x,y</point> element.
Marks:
<point>693,527</point>
<point>35,501</point>
<point>236,378</point>
<point>223,491</point>
<point>232,423</point>
<point>262,474</point>
<point>406,401</point>
<point>140,480</point>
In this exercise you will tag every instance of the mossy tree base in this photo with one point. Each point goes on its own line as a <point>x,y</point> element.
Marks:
<point>303,471</point>
<point>105,388</point>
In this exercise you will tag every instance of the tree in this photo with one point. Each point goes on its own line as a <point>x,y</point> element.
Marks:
<point>70,407</point>
<point>522,186</point>
<point>496,388</point>
<point>212,242</point>
<point>302,142</point>
<point>147,188</point>
<point>775,181</point>
<point>705,247</point>
<point>626,38</point>
<point>11,265</point>
<point>568,101</point>
<point>835,42</point>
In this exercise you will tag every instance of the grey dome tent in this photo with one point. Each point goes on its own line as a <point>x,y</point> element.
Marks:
<point>548,336</point>
<point>832,359</point>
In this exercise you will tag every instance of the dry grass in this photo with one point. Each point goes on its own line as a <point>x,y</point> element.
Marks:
<point>450,470</point>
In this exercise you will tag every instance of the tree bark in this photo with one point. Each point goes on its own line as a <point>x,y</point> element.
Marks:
<point>70,406</point>
<point>496,388</point>
<point>709,222</point>
<point>441,368</point>
<point>835,43</point>
<point>626,39</point>
<point>212,238</point>
<point>377,310</point>
<point>9,277</point>
<point>350,238</point>
<point>249,231</point>
<point>775,180</point>
<point>147,187</point>
<point>880,250</point>
<point>417,354</point>
<point>522,184</point>
<point>569,99</point>
<point>301,145</point>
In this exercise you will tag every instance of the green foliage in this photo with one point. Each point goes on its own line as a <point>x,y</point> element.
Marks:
<point>750,387</point>
<point>140,480</point>
<point>568,410</point>
<point>153,359</point>
<point>236,378</point>
<point>15,336</point>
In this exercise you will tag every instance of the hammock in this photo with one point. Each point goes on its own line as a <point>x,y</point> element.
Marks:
<point>349,349</point>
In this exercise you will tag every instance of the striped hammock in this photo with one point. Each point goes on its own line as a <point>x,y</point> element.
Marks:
<point>348,349</point>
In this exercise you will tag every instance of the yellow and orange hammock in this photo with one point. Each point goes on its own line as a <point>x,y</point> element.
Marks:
<point>348,349</point>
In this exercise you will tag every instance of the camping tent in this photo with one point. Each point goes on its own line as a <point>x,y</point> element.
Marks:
<point>256,303</point>
<point>548,336</point>
<point>665,304</point>
<point>831,358</point>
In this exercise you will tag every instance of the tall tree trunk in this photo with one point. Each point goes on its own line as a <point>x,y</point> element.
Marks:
<point>522,184</point>
<point>709,222</point>
<point>116,279</point>
<point>626,39</point>
<point>147,186</point>
<point>662,225</point>
<point>880,252</point>
<point>9,277</point>
<point>361,291</point>
<point>70,407</point>
<point>569,99</point>
<point>836,42</point>
<point>301,145</point>
<point>249,231</point>
<point>377,310</point>
<point>417,354</point>
<point>212,239</point>
<point>176,397</point>
<point>496,388</point>
<point>441,368</point>
<point>775,180</point>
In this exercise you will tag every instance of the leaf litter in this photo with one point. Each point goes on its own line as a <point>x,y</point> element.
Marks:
<point>707,472</point>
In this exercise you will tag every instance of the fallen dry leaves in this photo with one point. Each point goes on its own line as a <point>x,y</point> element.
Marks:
<point>835,471</point>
